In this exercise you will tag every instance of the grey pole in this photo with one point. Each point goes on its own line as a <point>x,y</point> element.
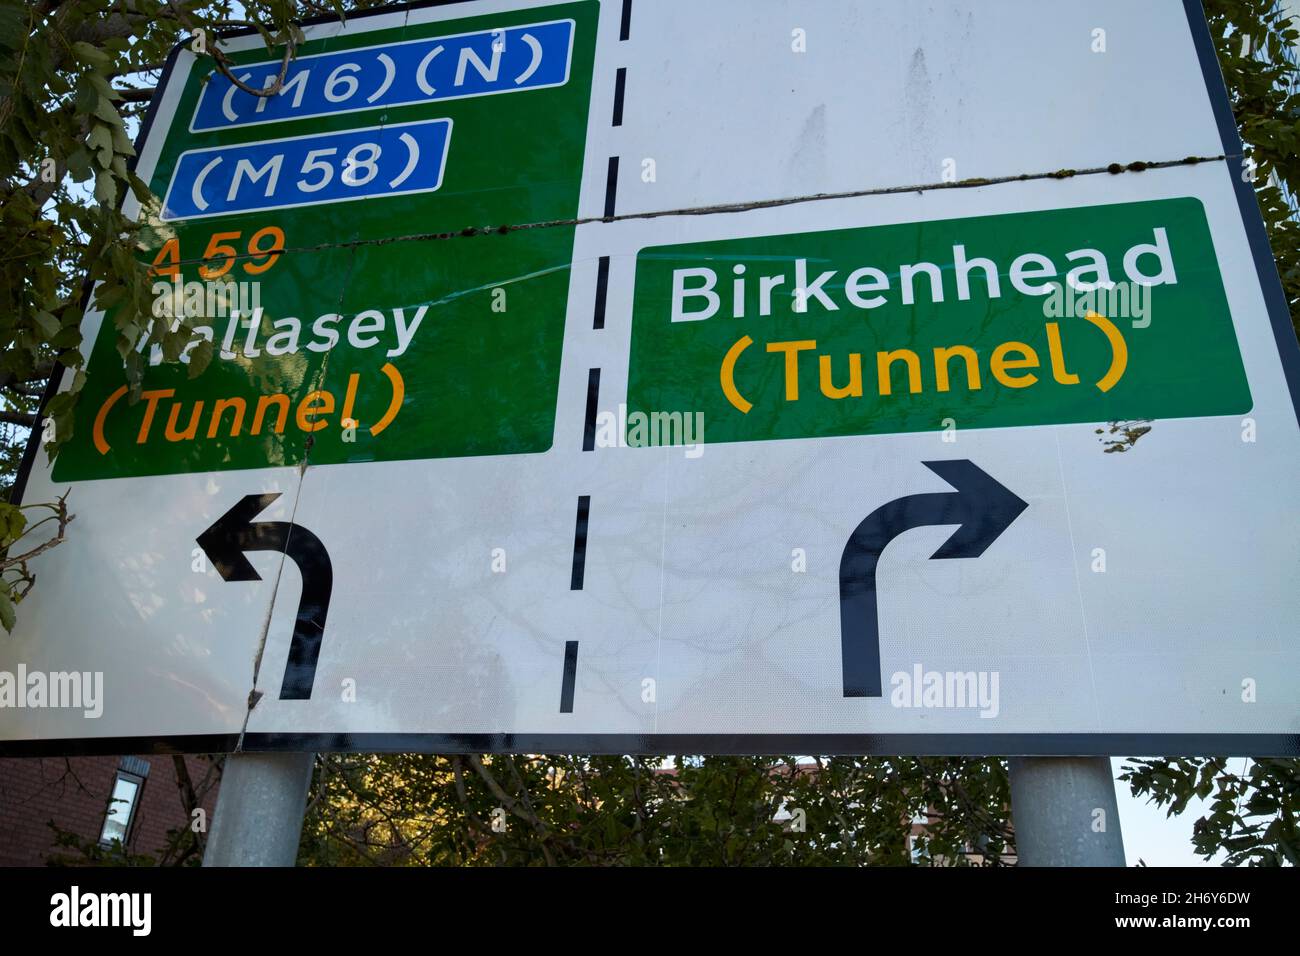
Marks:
<point>1064,812</point>
<point>258,819</point>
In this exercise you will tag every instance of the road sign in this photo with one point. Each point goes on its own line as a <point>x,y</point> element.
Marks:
<point>615,376</point>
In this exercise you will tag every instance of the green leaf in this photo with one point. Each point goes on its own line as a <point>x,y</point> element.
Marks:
<point>103,87</point>
<point>86,97</point>
<point>13,27</point>
<point>140,188</point>
<point>105,186</point>
<point>200,357</point>
<point>107,112</point>
<point>47,323</point>
<point>122,143</point>
<point>92,56</point>
<point>79,163</point>
<point>101,141</point>
<point>107,296</point>
<point>7,615</point>
<point>12,523</point>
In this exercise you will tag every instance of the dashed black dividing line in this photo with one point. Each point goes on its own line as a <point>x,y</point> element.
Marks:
<point>580,543</point>
<point>593,397</point>
<point>576,578</point>
<point>611,187</point>
<point>578,573</point>
<point>570,672</point>
<point>602,291</point>
<point>620,83</point>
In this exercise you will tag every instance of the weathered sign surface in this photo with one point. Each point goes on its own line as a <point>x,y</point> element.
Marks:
<point>676,376</point>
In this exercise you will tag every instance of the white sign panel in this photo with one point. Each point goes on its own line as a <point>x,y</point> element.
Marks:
<point>693,377</point>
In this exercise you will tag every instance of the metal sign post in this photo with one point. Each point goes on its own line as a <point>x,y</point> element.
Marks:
<point>1064,812</point>
<point>258,819</point>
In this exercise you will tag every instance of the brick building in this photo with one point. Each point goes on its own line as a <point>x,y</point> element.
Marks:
<point>95,800</point>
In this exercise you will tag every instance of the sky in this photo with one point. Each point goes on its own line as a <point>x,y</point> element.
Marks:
<point>1151,837</point>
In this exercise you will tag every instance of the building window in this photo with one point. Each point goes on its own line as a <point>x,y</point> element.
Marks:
<point>127,785</point>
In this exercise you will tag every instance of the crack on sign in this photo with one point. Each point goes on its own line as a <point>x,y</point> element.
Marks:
<point>1112,169</point>
<point>255,695</point>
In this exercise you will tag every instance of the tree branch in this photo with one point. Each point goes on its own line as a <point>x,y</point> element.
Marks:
<point>14,418</point>
<point>512,805</point>
<point>135,95</point>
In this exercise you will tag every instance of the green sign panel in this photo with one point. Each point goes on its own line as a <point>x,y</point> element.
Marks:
<point>333,338</point>
<point>1073,315</point>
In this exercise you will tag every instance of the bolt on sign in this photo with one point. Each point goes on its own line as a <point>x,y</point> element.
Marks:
<point>617,376</point>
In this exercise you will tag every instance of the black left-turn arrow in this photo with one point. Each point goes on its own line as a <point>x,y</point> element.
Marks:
<point>983,508</point>
<point>234,533</point>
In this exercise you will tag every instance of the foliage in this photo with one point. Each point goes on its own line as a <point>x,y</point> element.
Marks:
<point>1253,815</point>
<point>68,72</point>
<point>410,809</point>
<point>1256,42</point>
<point>16,574</point>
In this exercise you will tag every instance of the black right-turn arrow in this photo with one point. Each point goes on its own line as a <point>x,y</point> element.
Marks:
<point>983,508</point>
<point>234,533</point>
